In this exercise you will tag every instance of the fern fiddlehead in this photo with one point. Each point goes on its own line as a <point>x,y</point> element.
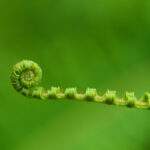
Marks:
<point>26,75</point>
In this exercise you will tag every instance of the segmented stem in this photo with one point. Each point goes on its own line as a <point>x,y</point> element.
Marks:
<point>26,75</point>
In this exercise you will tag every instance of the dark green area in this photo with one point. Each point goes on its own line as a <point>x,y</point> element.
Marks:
<point>101,44</point>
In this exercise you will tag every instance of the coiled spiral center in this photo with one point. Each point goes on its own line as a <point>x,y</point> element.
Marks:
<point>26,74</point>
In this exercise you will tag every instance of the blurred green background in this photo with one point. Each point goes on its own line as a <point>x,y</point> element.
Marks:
<point>78,43</point>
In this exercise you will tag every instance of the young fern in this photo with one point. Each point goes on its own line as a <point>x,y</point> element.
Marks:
<point>26,75</point>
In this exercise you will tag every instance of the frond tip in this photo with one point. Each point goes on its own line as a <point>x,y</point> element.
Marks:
<point>26,75</point>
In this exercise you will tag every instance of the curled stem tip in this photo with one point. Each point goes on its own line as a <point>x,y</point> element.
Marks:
<point>26,75</point>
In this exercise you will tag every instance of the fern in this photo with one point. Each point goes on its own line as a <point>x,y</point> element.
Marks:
<point>26,75</point>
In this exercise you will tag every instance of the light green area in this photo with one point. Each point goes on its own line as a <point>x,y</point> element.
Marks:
<point>78,43</point>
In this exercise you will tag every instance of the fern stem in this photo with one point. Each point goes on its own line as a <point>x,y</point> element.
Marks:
<point>26,75</point>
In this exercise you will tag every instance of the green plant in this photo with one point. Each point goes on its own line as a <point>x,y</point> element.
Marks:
<point>26,75</point>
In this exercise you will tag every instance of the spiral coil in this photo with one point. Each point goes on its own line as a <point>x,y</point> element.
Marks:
<point>26,75</point>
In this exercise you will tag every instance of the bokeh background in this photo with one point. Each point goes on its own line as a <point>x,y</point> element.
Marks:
<point>103,44</point>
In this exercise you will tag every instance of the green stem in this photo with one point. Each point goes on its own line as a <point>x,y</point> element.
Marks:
<point>26,75</point>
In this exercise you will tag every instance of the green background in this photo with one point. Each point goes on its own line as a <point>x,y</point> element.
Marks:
<point>103,44</point>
